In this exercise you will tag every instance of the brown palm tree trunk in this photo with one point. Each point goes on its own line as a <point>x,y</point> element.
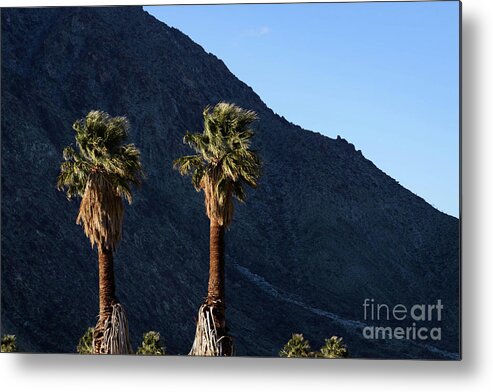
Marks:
<point>216,288</point>
<point>216,292</point>
<point>107,296</point>
<point>111,332</point>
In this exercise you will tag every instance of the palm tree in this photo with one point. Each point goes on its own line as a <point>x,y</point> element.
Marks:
<point>101,172</point>
<point>222,166</point>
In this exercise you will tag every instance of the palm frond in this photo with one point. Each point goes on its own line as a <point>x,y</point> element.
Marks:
<point>223,163</point>
<point>188,163</point>
<point>197,141</point>
<point>101,170</point>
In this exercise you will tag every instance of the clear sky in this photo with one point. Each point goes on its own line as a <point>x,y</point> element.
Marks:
<point>385,76</point>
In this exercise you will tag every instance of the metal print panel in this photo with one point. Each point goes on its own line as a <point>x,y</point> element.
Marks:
<point>275,180</point>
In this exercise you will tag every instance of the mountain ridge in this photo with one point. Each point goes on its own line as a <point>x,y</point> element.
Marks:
<point>299,126</point>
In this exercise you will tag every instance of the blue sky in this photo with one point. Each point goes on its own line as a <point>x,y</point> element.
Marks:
<point>385,76</point>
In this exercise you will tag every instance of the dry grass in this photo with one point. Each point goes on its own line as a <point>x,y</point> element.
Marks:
<point>101,212</point>
<point>218,202</point>
<point>115,338</point>
<point>207,341</point>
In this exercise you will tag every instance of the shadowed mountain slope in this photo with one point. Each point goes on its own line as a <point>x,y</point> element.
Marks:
<point>325,229</point>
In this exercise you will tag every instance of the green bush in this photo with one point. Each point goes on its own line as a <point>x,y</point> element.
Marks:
<point>9,344</point>
<point>296,347</point>
<point>299,347</point>
<point>85,342</point>
<point>333,348</point>
<point>151,344</point>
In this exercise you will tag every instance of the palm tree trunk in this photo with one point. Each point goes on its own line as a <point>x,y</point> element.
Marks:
<point>216,292</point>
<point>107,296</point>
<point>211,336</point>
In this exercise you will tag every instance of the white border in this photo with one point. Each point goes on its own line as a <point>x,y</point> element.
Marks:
<point>474,373</point>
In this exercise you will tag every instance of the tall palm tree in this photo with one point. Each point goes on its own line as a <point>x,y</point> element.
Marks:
<point>222,166</point>
<point>101,171</point>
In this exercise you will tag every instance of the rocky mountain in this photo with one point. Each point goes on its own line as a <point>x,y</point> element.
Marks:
<point>325,229</point>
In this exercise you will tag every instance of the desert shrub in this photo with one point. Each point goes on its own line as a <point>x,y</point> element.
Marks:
<point>296,347</point>
<point>299,347</point>
<point>9,344</point>
<point>333,348</point>
<point>151,344</point>
<point>85,342</point>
